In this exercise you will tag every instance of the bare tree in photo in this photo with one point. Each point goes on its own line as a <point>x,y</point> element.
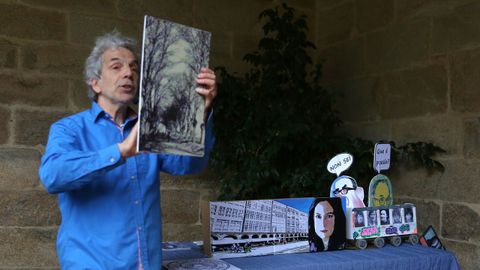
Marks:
<point>156,55</point>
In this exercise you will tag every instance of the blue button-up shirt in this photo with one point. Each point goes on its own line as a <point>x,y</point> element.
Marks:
<point>110,207</point>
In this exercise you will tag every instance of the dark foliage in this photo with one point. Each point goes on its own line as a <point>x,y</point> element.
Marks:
<point>275,126</point>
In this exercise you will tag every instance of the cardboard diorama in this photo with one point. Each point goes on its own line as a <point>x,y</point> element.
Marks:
<point>269,227</point>
<point>381,220</point>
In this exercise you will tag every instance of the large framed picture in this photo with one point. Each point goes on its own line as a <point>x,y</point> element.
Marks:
<point>171,112</point>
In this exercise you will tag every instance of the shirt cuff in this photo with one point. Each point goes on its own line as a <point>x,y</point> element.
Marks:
<point>109,156</point>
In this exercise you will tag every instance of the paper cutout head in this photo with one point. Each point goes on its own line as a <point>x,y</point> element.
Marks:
<point>346,186</point>
<point>326,225</point>
<point>380,191</point>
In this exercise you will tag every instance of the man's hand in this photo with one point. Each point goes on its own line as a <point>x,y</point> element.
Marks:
<point>128,147</point>
<point>207,87</point>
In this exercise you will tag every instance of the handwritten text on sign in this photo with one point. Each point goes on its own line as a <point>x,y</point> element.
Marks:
<point>381,159</point>
<point>340,163</point>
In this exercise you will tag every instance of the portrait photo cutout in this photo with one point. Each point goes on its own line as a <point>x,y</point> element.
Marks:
<point>326,225</point>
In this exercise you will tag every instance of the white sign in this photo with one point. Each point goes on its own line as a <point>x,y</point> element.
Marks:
<point>381,157</point>
<point>340,163</point>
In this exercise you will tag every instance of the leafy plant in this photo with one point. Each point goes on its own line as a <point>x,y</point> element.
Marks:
<point>275,126</point>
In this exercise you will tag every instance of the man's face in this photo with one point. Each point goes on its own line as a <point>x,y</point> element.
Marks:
<point>119,78</point>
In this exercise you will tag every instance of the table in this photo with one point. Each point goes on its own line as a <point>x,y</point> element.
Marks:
<point>404,257</point>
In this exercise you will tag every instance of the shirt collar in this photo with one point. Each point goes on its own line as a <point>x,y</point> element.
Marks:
<point>96,112</point>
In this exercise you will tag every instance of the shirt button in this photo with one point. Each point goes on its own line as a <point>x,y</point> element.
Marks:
<point>112,160</point>
<point>139,228</point>
<point>136,202</point>
<point>132,177</point>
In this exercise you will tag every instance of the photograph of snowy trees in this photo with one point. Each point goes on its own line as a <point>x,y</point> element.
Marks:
<point>170,111</point>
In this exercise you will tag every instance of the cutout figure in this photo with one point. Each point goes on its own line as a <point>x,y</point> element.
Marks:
<point>346,186</point>
<point>380,191</point>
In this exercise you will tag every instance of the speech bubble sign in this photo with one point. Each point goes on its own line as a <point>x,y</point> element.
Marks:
<point>340,163</point>
<point>381,157</point>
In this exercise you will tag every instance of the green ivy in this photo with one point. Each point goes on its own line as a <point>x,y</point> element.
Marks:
<point>276,125</point>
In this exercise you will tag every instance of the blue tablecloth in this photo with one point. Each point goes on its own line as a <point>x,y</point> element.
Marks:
<point>404,257</point>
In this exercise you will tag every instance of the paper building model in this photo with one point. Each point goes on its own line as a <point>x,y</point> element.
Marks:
<point>267,227</point>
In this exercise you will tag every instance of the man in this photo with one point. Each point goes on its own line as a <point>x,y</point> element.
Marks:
<point>108,194</point>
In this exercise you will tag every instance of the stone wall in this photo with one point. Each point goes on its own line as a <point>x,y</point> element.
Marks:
<point>409,70</point>
<point>43,45</point>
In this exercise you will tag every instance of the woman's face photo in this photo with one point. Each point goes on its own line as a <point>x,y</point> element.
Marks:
<point>408,215</point>
<point>324,219</point>
<point>383,216</point>
<point>360,217</point>
<point>372,218</point>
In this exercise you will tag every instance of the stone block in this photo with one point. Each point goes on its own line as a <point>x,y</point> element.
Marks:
<point>457,29</point>
<point>182,232</point>
<point>416,92</point>
<point>373,14</point>
<point>414,182</point>
<point>33,90</point>
<point>428,212</point>
<point>27,247</point>
<point>376,131</point>
<point>57,59</point>
<point>8,54</point>
<point>79,95</point>
<point>28,208</point>
<point>84,29</point>
<point>19,168</point>
<point>464,95</point>
<point>32,127</point>
<point>398,45</point>
<point>132,9</point>
<point>343,61</point>
<point>4,125</point>
<point>443,131</point>
<point>221,45</point>
<point>326,4</point>
<point>334,24</point>
<point>459,181</point>
<point>471,140</point>
<point>466,254</point>
<point>204,180</point>
<point>30,23</point>
<point>228,15</point>
<point>85,6</point>
<point>180,11</point>
<point>421,8</point>
<point>360,99</point>
<point>180,206</point>
<point>455,217</point>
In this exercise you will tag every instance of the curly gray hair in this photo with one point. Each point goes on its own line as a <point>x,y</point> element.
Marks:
<point>93,64</point>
